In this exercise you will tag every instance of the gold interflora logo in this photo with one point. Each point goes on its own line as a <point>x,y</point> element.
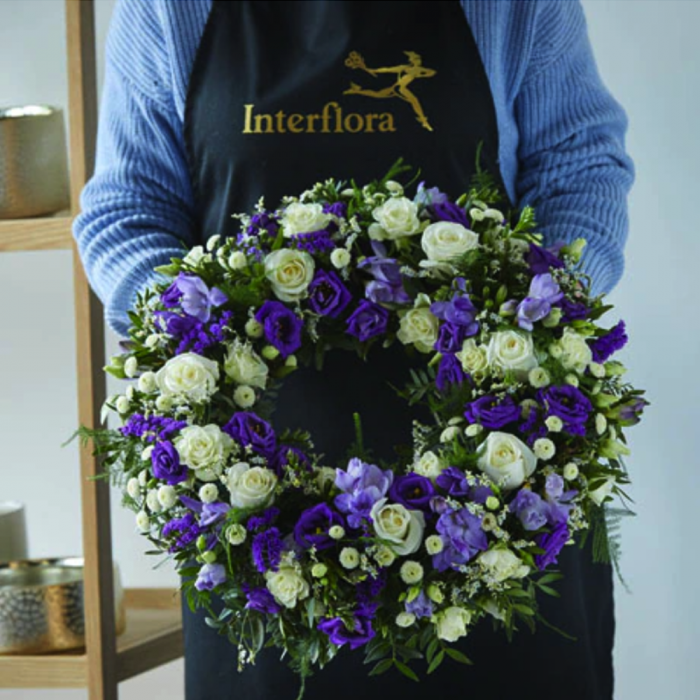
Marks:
<point>407,73</point>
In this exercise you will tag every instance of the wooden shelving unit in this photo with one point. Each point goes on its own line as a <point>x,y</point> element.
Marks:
<point>153,633</point>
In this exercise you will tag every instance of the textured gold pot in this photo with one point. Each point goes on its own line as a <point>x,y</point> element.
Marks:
<point>41,605</point>
<point>33,162</point>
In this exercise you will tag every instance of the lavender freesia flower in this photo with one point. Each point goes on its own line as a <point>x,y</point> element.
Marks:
<point>210,576</point>
<point>362,485</point>
<point>420,606</point>
<point>313,525</point>
<point>530,509</point>
<point>249,429</point>
<point>493,412</point>
<point>544,292</point>
<point>427,196</point>
<point>281,326</point>
<point>450,338</point>
<point>197,299</point>
<point>261,600</point>
<point>387,286</point>
<point>463,537</point>
<point>339,634</point>
<point>459,311</point>
<point>449,372</point>
<point>412,491</point>
<point>166,465</point>
<point>552,543</point>
<point>541,259</point>
<point>171,296</point>
<point>367,321</point>
<point>328,296</point>
<point>175,324</point>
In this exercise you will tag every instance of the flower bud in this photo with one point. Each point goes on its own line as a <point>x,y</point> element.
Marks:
<point>270,353</point>
<point>340,258</point>
<point>131,367</point>
<point>254,328</point>
<point>236,534</point>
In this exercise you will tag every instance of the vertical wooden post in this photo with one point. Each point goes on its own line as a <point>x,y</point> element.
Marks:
<point>97,536</point>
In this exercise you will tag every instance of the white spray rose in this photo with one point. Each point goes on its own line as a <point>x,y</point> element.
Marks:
<point>445,240</point>
<point>429,465</point>
<point>245,366</point>
<point>502,564</point>
<point>398,525</point>
<point>244,396</point>
<point>452,623</point>
<point>504,456</point>
<point>287,584</point>
<point>203,449</point>
<point>190,376</point>
<point>419,326</point>
<point>396,218</point>
<point>304,218</point>
<point>473,358</point>
<point>576,353</point>
<point>340,258</point>
<point>511,350</point>
<point>290,272</point>
<point>250,487</point>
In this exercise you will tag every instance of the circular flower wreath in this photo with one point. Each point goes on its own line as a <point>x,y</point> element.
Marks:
<point>400,559</point>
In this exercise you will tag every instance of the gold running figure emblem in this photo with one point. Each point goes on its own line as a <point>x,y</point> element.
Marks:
<point>407,73</point>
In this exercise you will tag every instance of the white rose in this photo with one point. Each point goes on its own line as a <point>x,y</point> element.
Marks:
<point>445,240</point>
<point>190,376</point>
<point>400,526</point>
<point>304,218</point>
<point>576,353</point>
<point>418,326</point>
<point>429,465</point>
<point>287,584</point>
<point>396,218</point>
<point>250,487</point>
<point>203,449</point>
<point>340,258</point>
<point>511,350</point>
<point>504,456</point>
<point>290,272</point>
<point>452,623</point>
<point>599,494</point>
<point>245,366</point>
<point>538,377</point>
<point>473,358</point>
<point>502,564</point>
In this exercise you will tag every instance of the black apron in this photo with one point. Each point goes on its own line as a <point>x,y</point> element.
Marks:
<point>286,94</point>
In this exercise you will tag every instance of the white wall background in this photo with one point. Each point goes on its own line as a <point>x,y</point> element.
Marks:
<point>648,55</point>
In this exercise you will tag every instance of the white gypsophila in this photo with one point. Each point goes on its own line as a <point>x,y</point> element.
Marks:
<point>384,556</point>
<point>449,433</point>
<point>196,255</point>
<point>570,471</point>
<point>434,544</point>
<point>506,459</point>
<point>337,532</point>
<point>208,493</point>
<point>304,218</point>
<point>164,403</point>
<point>131,367</point>
<point>446,240</point>
<point>287,584</point>
<point>244,396</point>
<point>411,572</point>
<point>133,488</point>
<point>203,449</point>
<point>167,496</point>
<point>401,527</point>
<point>601,423</point>
<point>451,623</point>
<point>576,353</point>
<point>473,358</point>
<point>538,377</point>
<point>236,534</point>
<point>429,465</point>
<point>188,376</point>
<point>340,258</point>
<point>143,522</point>
<point>152,501</point>
<point>554,424</point>
<point>349,558</point>
<point>250,487</point>
<point>511,350</point>
<point>599,494</point>
<point>123,404</point>
<point>544,448</point>
<point>502,564</point>
<point>237,260</point>
<point>395,218</point>
<point>597,369</point>
<point>147,382</point>
<point>290,272</point>
<point>473,430</point>
<point>405,619</point>
<point>244,365</point>
<point>254,329</point>
<point>419,326</point>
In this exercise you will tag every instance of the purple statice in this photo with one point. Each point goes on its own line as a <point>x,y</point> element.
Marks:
<point>185,530</point>
<point>313,242</point>
<point>247,428</point>
<point>603,347</point>
<point>533,427</point>
<point>367,321</point>
<point>311,530</point>
<point>166,465</point>
<point>450,338</point>
<point>152,428</point>
<point>387,285</point>
<point>362,485</point>
<point>420,606</point>
<point>170,298</point>
<point>530,509</point>
<point>463,537</point>
<point>449,211</point>
<point>267,550</point>
<point>492,412</point>
<point>328,296</point>
<point>282,327</point>
<point>263,222</point>
<point>572,310</point>
<point>367,590</point>
<point>459,311</point>
<point>449,372</point>
<point>210,576</point>
<point>339,634</point>
<point>284,454</point>
<point>427,196</point>
<point>568,403</point>
<point>258,522</point>
<point>203,335</point>
<point>412,491</point>
<point>339,209</point>
<point>544,292</point>
<point>197,299</point>
<point>541,259</point>
<point>261,600</point>
<point>552,543</point>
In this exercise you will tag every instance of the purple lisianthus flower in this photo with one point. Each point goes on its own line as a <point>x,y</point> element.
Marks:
<point>603,347</point>
<point>463,537</point>
<point>412,491</point>
<point>568,403</point>
<point>166,465</point>
<point>261,599</point>
<point>177,325</point>
<point>328,296</point>
<point>368,589</point>
<point>281,326</point>
<point>258,522</point>
<point>197,299</point>
<point>454,481</point>
<point>171,296</point>
<point>530,509</point>
<point>368,320</point>
<point>428,196</point>
<point>449,211</point>
<point>314,242</point>
<point>284,454</point>
<point>572,310</point>
<point>450,338</point>
<point>552,543</point>
<point>387,286</point>
<point>263,221</point>
<point>540,259</point>
<point>339,634</point>
<point>247,428</point>
<point>210,576</point>
<point>492,412</point>
<point>267,550</point>
<point>420,606</point>
<point>184,529</point>
<point>362,485</point>
<point>449,372</point>
<point>313,525</point>
<point>544,292</point>
<point>339,209</point>
<point>459,311</point>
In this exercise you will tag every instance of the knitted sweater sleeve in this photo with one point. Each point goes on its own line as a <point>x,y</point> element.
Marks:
<point>137,209</point>
<point>573,166</point>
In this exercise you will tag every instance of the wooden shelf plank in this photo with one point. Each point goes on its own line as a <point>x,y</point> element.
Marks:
<point>153,636</point>
<point>44,233</point>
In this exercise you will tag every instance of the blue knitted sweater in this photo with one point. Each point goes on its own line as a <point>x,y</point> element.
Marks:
<point>562,139</point>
